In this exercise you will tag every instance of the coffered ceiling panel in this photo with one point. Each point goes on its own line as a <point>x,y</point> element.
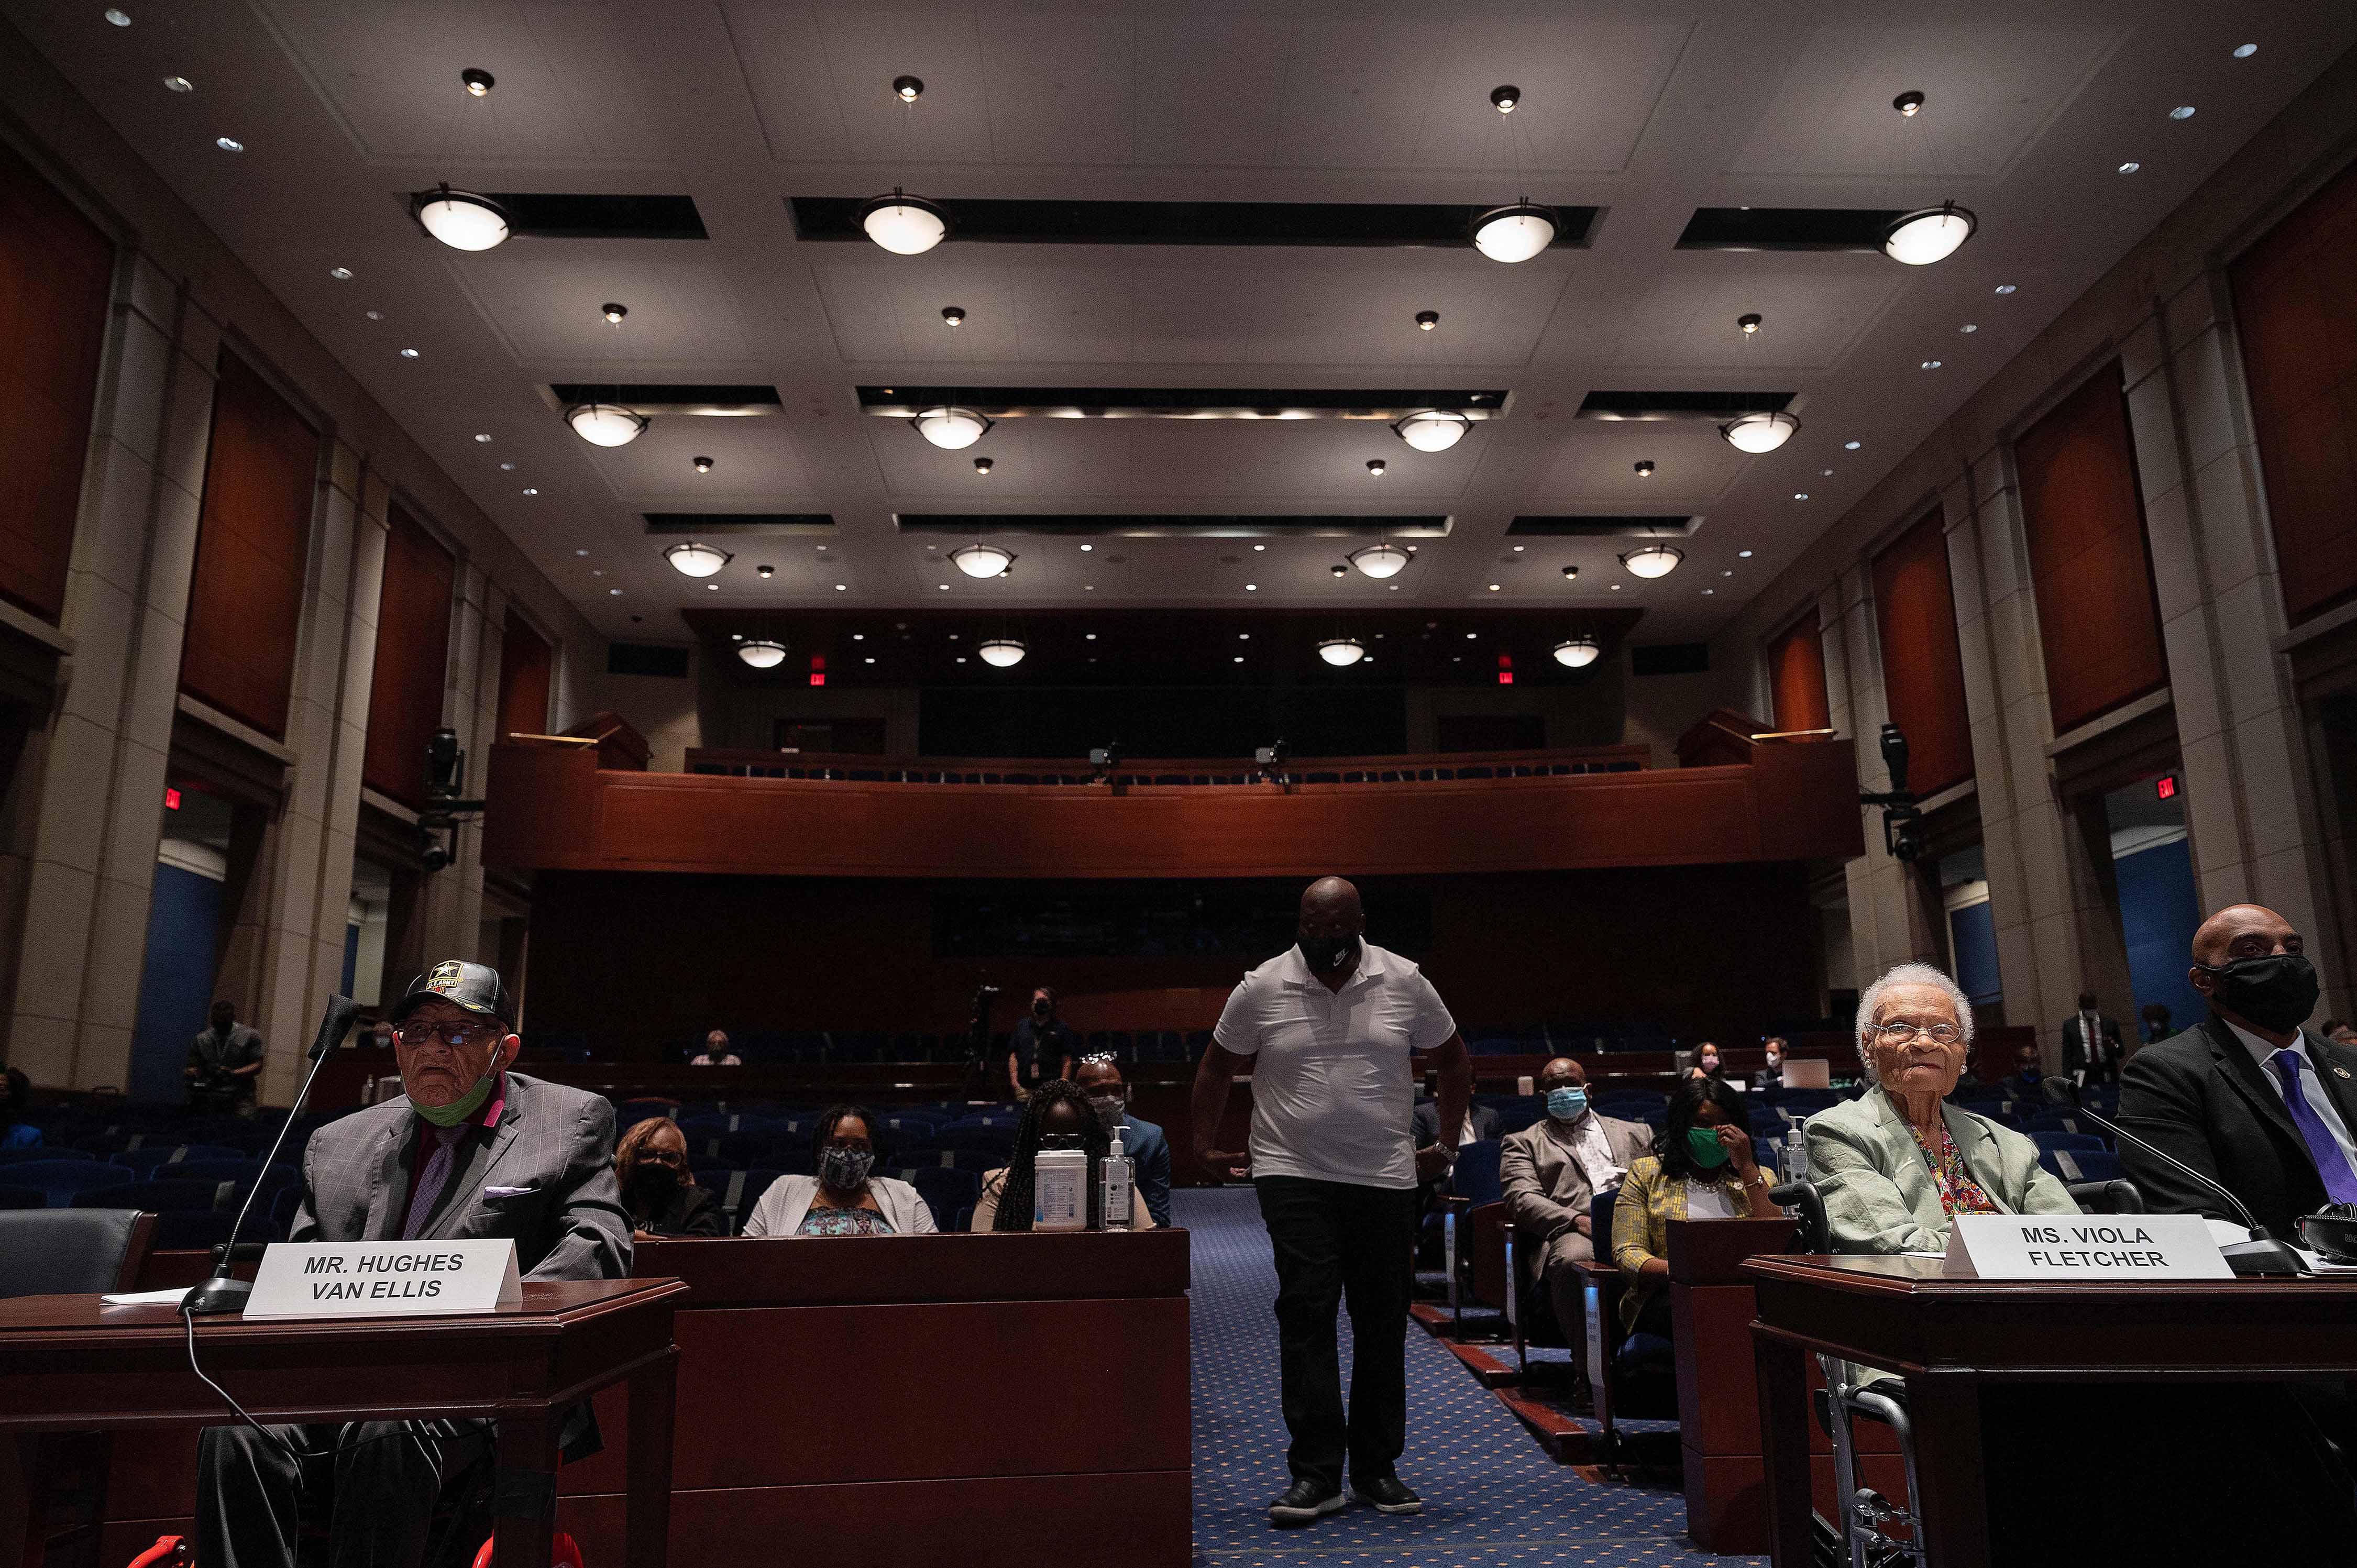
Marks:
<point>1810,315</point>
<point>546,298</point>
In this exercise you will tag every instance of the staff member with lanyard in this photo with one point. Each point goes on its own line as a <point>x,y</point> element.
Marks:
<point>1331,1022</point>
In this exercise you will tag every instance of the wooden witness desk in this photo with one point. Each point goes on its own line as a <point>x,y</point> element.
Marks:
<point>69,1364</point>
<point>1949,1337</point>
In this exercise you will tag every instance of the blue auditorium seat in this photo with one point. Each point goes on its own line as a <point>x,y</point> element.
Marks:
<point>2091,1165</point>
<point>23,1197</point>
<point>156,1197</point>
<point>976,1160</point>
<point>2073,1140</point>
<point>993,1139</point>
<point>945,1191</point>
<point>1475,1175</point>
<point>191,1231</point>
<point>18,1157</point>
<point>240,1173</point>
<point>61,1179</point>
<point>150,1157</point>
<point>740,1191</point>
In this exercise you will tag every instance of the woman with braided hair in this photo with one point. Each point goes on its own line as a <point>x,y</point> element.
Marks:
<point>1056,1107</point>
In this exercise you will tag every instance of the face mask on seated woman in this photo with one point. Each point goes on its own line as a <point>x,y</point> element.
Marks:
<point>845,1170</point>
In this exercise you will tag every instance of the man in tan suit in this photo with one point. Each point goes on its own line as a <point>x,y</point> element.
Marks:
<point>1552,1171</point>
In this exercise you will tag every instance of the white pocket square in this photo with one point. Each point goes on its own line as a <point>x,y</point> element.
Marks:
<point>505,1191</point>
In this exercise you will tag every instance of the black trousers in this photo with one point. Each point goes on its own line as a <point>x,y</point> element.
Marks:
<point>1336,1242</point>
<point>387,1475</point>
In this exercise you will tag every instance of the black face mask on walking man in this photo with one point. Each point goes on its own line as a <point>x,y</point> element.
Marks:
<point>1327,954</point>
<point>2275,992</point>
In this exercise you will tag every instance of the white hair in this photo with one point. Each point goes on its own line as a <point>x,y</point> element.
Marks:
<point>1870,999</point>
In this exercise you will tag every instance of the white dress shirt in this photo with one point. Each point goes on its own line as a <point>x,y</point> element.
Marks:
<point>1332,1089</point>
<point>2311,1088</point>
<point>1591,1148</point>
<point>1708,1200</point>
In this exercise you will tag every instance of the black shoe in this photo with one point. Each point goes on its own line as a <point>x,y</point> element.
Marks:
<point>1388,1494</point>
<point>1302,1503</point>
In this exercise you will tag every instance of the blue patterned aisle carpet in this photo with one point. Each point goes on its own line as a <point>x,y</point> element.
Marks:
<point>1491,1495</point>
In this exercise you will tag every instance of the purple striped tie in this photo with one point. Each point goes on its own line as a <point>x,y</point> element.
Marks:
<point>2340,1182</point>
<point>432,1180</point>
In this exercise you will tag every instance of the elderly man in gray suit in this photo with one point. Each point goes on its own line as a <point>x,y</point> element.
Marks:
<point>472,1151</point>
<point>1551,1171</point>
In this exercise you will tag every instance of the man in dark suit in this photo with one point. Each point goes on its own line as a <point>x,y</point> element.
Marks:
<point>2091,1043</point>
<point>1148,1149</point>
<point>2246,1096</point>
<point>472,1151</point>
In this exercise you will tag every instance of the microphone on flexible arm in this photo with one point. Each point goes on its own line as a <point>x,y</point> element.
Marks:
<point>223,1292</point>
<point>2262,1254</point>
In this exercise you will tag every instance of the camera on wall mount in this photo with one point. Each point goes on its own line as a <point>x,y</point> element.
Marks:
<point>1268,764</point>
<point>1903,819</point>
<point>446,775</point>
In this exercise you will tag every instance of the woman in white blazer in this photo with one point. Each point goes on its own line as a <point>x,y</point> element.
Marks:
<point>843,1199</point>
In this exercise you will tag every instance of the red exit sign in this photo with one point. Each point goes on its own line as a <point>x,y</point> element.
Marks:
<point>171,799</point>
<point>2165,787</point>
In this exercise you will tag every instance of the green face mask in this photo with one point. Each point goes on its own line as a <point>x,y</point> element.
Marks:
<point>1703,1143</point>
<point>460,1108</point>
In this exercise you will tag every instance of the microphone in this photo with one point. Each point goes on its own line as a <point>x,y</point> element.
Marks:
<point>223,1293</point>
<point>2262,1254</point>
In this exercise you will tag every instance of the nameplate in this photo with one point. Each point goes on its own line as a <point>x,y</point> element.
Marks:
<point>2107,1247</point>
<point>384,1279</point>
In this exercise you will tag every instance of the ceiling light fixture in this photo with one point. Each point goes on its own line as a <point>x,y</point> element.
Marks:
<point>702,465</point>
<point>1969,328</point>
<point>1576,653</point>
<point>762,653</point>
<point>951,427</point>
<point>1748,323</point>
<point>409,353</point>
<point>2241,51</point>
<point>1521,229</point>
<point>1928,234</point>
<point>2007,287</point>
<point>979,560</point>
<point>1570,574</point>
<point>1002,652</point>
<point>1743,554</point>
<point>459,218</point>
<point>2130,166</point>
<point>119,19</point>
<point>342,274</point>
<point>1377,468</point>
<point>1379,561</point>
<point>903,224</point>
<point>1432,429</point>
<point>765,573</point>
<point>2182,112</point>
<point>182,84</point>
<point>1930,365</point>
<point>484,436</point>
<point>229,144</point>
<point>984,465</point>
<point>606,424</point>
<point>1645,468</point>
<point>953,313</point>
<point>478,83</point>
<point>1342,572</point>
<point>1652,560</point>
<point>1341,652</point>
<point>691,559</point>
<point>532,490</point>
<point>1758,432</point>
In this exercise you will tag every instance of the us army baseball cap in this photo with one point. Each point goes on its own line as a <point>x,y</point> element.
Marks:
<point>474,986</point>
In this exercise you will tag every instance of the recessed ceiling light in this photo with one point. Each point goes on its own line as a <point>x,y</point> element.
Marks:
<point>2182,112</point>
<point>120,20</point>
<point>712,587</point>
<point>1518,549</point>
<point>597,572</point>
<point>1258,547</point>
<point>342,274</point>
<point>1800,495</point>
<point>1493,587</point>
<point>1709,591</point>
<point>1240,658</point>
<point>701,464</point>
<point>507,468</point>
<point>1849,446</point>
<point>1093,637</point>
<point>946,587</point>
<point>182,84</point>
<point>1743,554</point>
<point>1616,587</point>
<point>581,553</point>
<point>229,144</point>
<point>1729,571</point>
<point>960,657</point>
<point>858,637</point>
<point>1969,328</point>
<point>1089,587</point>
<point>843,587</point>
<point>530,491</point>
<point>482,436</point>
<point>2007,287</point>
<point>409,353</point>
<point>615,592</point>
<point>1243,637</point>
<point>1824,473</point>
<point>2130,166</point>
<point>871,659</point>
<point>1086,548</point>
<point>1931,364</point>
<point>2241,51</point>
<point>1252,588</point>
<point>1645,468</point>
<point>1375,467</point>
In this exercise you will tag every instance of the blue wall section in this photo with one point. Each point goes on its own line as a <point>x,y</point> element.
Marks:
<point>175,992</point>
<point>1972,937</point>
<point>2158,912</point>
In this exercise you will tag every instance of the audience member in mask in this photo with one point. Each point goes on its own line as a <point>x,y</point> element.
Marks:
<point>1551,1173</point>
<point>1706,1062</point>
<point>1041,1044</point>
<point>1148,1151</point>
<point>2028,1071</point>
<point>1699,1167</point>
<point>845,1198</point>
<point>1057,1108</point>
<point>16,1101</point>
<point>2154,1015</point>
<point>651,1166</point>
<point>1771,1076</point>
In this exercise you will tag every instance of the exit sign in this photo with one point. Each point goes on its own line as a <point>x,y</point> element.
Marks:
<point>171,799</point>
<point>2165,788</point>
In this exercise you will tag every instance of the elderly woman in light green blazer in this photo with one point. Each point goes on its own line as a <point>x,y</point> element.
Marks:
<point>1897,1165</point>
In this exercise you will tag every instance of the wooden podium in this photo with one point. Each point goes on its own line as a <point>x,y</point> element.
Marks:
<point>69,1364</point>
<point>1718,1405</point>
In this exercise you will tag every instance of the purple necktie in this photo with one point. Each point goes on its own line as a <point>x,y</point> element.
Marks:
<point>2340,1183</point>
<point>432,1180</point>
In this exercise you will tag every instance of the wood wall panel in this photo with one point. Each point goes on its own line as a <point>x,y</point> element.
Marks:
<point>2296,313</point>
<point>412,652</point>
<point>526,664</point>
<point>245,595</point>
<point>1923,665</point>
<point>56,271</point>
<point>2090,563</point>
<point>1796,676</point>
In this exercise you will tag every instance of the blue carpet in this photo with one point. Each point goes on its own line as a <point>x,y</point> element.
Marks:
<point>1491,1495</point>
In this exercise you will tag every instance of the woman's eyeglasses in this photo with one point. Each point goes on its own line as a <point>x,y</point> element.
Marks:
<point>1905,1033</point>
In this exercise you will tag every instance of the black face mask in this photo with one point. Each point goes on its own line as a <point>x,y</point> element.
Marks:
<point>653,1181</point>
<point>1327,954</point>
<point>2276,992</point>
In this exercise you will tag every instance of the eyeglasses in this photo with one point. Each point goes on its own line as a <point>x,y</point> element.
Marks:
<point>456,1035</point>
<point>1903,1034</point>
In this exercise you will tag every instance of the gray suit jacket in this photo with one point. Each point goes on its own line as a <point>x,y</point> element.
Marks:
<point>1547,1190</point>
<point>551,1160</point>
<point>1878,1190</point>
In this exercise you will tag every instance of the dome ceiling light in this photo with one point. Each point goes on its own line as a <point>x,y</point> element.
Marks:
<point>1341,652</point>
<point>608,423</point>
<point>1432,429</point>
<point>1379,561</point>
<point>462,219</point>
<point>1758,432</point>
<point>1576,653</point>
<point>1652,560</point>
<point>903,224</point>
<point>951,427</point>
<point>693,560</point>
<point>1928,234</point>
<point>1521,229</point>
<point>1003,652</point>
<point>979,560</point>
<point>762,653</point>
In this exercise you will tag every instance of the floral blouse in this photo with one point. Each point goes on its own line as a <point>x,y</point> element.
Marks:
<point>1959,1193</point>
<point>844,1222</point>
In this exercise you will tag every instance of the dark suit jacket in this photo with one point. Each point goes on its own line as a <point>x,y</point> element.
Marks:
<point>1424,1124</point>
<point>551,1157</point>
<point>2200,1096</point>
<point>2107,1059</point>
<point>1149,1165</point>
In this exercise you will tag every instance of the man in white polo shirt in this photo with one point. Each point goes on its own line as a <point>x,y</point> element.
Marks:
<point>1331,1022</point>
